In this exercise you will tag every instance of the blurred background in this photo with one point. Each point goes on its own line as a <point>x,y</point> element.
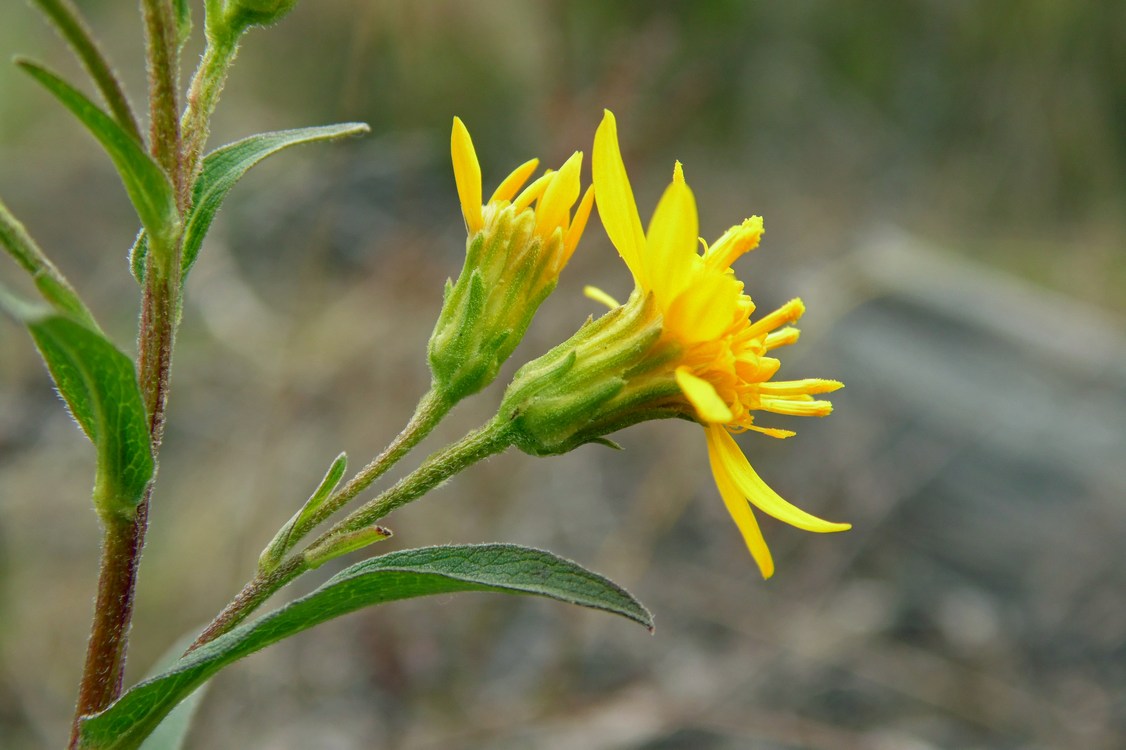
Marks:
<point>942,182</point>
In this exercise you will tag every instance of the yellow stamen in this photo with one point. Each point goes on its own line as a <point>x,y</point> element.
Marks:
<point>596,294</point>
<point>773,432</point>
<point>796,387</point>
<point>796,406</point>
<point>783,337</point>
<point>787,313</point>
<point>735,242</point>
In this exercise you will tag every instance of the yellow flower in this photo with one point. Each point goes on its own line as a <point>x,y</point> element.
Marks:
<point>518,242</point>
<point>553,193</point>
<point>722,364</point>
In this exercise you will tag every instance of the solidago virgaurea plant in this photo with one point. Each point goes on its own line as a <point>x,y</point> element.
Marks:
<point>686,344</point>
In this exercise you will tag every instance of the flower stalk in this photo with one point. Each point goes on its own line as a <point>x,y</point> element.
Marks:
<point>489,440</point>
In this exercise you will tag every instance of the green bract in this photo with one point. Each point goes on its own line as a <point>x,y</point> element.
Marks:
<point>606,377</point>
<point>486,313</point>
<point>241,14</point>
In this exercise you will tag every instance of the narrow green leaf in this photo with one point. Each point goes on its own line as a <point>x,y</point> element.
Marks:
<point>148,187</point>
<point>50,281</point>
<point>502,568</point>
<point>225,166</point>
<point>100,388</point>
<point>137,255</point>
<point>67,19</point>
<point>327,486</point>
<point>295,527</point>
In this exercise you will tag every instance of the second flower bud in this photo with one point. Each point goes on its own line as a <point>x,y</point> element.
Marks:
<point>518,243</point>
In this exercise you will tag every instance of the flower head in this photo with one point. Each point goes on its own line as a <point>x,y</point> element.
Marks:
<point>685,344</point>
<point>518,242</point>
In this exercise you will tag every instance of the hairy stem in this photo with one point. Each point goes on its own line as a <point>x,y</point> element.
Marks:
<point>486,441</point>
<point>430,410</point>
<point>113,611</point>
<point>163,56</point>
<point>124,540</point>
<point>203,96</point>
<point>253,594</point>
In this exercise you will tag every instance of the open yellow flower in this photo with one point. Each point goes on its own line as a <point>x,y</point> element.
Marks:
<point>518,243</point>
<point>721,359</point>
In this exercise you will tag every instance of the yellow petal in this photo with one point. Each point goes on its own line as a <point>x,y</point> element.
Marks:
<point>507,189</point>
<point>702,395</point>
<point>533,191</point>
<point>555,205</point>
<point>467,175</point>
<point>737,506</point>
<point>670,247</point>
<point>596,294</point>
<point>615,200</point>
<point>738,468</point>
<point>578,224</point>
<point>705,309</point>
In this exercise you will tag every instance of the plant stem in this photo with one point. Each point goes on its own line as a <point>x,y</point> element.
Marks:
<point>105,653</point>
<point>253,594</point>
<point>489,440</point>
<point>124,539</point>
<point>163,56</point>
<point>203,96</point>
<point>483,442</point>
<point>430,410</point>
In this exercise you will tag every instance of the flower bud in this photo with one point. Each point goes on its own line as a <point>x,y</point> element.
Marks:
<point>239,15</point>
<point>517,246</point>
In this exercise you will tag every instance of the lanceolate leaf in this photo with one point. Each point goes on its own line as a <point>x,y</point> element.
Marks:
<point>499,568</point>
<point>51,283</point>
<point>173,730</point>
<point>225,166</point>
<point>99,386</point>
<point>145,182</point>
<point>66,18</point>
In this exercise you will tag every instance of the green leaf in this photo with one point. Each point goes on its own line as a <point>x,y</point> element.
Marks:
<point>48,279</point>
<point>100,388</point>
<point>225,166</point>
<point>137,255</point>
<point>148,187</point>
<point>67,19</point>
<point>173,730</point>
<point>294,529</point>
<point>502,568</point>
